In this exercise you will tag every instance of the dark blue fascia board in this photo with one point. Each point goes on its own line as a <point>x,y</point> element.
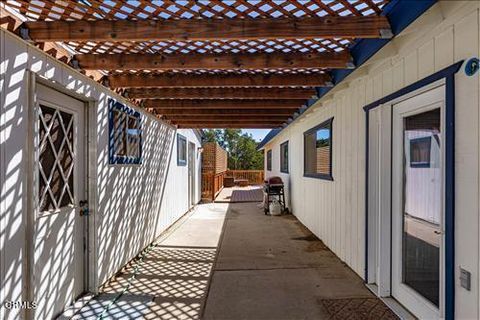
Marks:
<point>400,14</point>
<point>270,135</point>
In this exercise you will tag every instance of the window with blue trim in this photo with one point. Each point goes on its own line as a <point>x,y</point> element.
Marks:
<point>181,150</point>
<point>125,143</point>
<point>317,152</point>
<point>269,160</point>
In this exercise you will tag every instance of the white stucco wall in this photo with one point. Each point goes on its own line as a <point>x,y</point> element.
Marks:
<point>335,210</point>
<point>135,203</point>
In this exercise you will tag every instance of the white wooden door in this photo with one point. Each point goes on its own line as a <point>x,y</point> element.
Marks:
<point>59,186</point>
<point>417,203</point>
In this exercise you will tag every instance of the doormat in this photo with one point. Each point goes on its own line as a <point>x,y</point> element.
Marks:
<point>358,308</point>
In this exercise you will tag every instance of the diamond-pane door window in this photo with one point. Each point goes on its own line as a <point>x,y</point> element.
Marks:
<point>56,159</point>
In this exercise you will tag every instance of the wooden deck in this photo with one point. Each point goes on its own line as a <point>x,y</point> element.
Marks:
<point>241,194</point>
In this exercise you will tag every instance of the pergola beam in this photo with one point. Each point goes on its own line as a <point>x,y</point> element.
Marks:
<point>210,29</point>
<point>291,104</point>
<point>225,112</point>
<point>188,118</point>
<point>220,93</point>
<point>169,80</point>
<point>226,61</point>
<point>227,125</point>
<point>277,122</point>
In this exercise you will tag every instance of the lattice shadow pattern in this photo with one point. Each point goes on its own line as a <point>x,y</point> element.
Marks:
<point>170,283</point>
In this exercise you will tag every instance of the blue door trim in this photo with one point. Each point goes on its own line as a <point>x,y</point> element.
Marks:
<point>449,75</point>
<point>444,73</point>
<point>450,197</point>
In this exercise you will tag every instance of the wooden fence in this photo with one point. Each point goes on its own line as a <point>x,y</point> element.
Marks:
<point>253,176</point>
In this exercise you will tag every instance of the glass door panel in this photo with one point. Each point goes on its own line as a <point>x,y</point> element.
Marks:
<point>422,186</point>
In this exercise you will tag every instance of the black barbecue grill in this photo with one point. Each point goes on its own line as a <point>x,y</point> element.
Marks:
<point>273,189</point>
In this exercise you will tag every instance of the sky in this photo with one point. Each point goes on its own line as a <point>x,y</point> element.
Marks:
<point>258,134</point>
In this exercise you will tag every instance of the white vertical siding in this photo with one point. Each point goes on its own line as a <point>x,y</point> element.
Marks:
<point>466,45</point>
<point>133,207</point>
<point>334,210</point>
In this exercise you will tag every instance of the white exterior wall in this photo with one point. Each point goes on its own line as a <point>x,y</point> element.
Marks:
<point>175,197</point>
<point>335,210</point>
<point>276,168</point>
<point>134,202</point>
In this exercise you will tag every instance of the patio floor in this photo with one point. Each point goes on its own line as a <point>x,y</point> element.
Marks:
<point>240,194</point>
<point>230,261</point>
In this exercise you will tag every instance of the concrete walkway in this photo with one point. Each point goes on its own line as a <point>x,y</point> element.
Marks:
<point>171,280</point>
<point>259,267</point>
<point>274,268</point>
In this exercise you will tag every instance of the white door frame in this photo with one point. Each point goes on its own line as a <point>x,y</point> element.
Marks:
<point>90,154</point>
<point>379,239</point>
<point>414,301</point>
<point>379,213</point>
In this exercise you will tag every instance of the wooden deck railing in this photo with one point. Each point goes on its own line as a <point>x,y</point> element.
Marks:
<point>212,184</point>
<point>253,176</point>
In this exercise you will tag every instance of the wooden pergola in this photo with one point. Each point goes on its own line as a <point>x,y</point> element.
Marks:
<point>212,63</point>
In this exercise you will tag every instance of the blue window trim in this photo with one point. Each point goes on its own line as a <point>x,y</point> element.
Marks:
<point>113,159</point>
<point>323,176</point>
<point>269,160</point>
<point>284,170</point>
<point>181,162</point>
<point>449,75</point>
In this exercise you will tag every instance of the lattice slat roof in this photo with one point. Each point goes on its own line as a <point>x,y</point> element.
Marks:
<point>208,10</point>
<point>202,9</point>
<point>214,9</point>
<point>220,46</point>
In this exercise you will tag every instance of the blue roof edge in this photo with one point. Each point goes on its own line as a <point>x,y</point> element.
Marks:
<point>400,14</point>
<point>268,137</point>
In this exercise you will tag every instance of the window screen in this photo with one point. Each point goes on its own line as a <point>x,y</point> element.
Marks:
<point>125,134</point>
<point>318,151</point>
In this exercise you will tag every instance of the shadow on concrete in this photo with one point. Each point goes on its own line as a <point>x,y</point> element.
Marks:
<point>275,268</point>
<point>169,279</point>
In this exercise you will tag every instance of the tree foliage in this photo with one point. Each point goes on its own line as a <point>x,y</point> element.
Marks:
<point>241,148</point>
